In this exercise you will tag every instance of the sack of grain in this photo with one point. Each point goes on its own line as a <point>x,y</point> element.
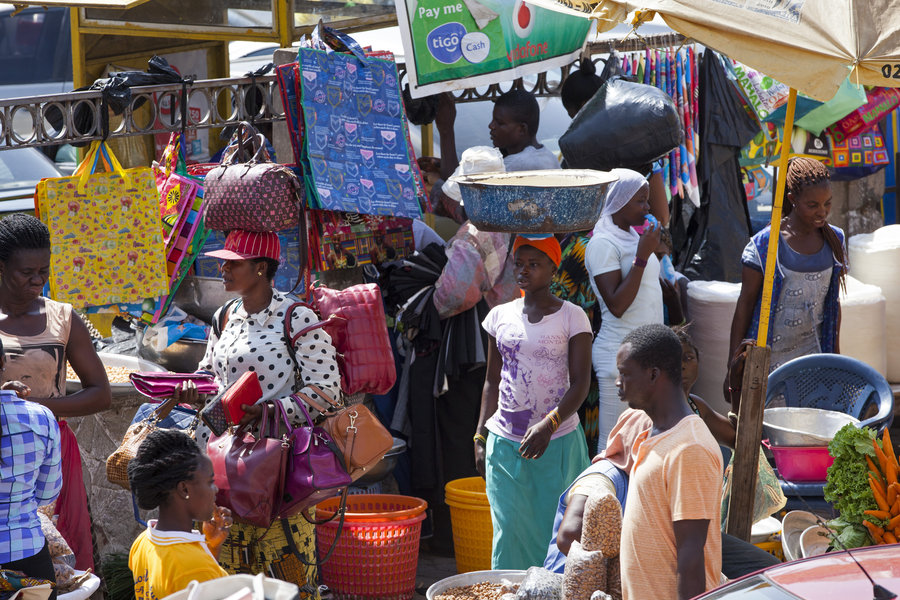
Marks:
<point>585,573</point>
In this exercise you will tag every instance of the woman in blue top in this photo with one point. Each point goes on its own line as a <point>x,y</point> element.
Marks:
<point>30,476</point>
<point>809,271</point>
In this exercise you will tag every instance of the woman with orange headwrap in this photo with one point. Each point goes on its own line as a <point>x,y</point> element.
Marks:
<point>529,444</point>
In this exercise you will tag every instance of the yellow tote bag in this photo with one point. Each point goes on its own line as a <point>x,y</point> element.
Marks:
<point>105,231</point>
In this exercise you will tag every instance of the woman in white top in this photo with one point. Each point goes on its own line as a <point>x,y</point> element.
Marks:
<point>625,275</point>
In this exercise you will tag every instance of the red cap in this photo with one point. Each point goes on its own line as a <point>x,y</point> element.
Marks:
<point>244,245</point>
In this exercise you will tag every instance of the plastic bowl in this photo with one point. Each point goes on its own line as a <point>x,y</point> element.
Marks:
<point>801,463</point>
<point>551,201</point>
<point>795,426</point>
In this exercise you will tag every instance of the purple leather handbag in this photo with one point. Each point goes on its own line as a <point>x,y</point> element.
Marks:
<point>315,469</point>
<point>254,196</point>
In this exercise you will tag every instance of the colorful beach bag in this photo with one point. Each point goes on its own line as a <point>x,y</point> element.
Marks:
<point>105,231</point>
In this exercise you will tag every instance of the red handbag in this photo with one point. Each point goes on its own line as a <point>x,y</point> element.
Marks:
<point>249,472</point>
<point>358,331</point>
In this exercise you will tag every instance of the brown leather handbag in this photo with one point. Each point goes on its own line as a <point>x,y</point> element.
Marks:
<point>358,434</point>
<point>117,463</point>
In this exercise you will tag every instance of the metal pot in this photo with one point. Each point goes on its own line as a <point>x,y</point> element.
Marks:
<point>182,356</point>
<point>201,297</point>
<point>384,467</point>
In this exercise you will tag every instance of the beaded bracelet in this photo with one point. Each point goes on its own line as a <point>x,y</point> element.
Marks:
<point>480,438</point>
<point>553,415</point>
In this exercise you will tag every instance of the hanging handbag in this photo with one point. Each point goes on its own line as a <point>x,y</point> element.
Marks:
<point>359,435</point>
<point>162,385</point>
<point>249,472</point>
<point>314,468</point>
<point>358,330</point>
<point>117,463</point>
<point>254,196</point>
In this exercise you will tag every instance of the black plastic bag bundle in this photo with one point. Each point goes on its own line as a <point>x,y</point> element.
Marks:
<point>625,124</point>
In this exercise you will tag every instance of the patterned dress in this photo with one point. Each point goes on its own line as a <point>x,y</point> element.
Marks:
<point>572,283</point>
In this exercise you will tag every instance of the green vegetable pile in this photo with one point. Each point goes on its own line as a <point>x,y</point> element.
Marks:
<point>847,486</point>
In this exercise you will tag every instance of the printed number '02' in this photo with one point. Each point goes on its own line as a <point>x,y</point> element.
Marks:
<point>890,71</point>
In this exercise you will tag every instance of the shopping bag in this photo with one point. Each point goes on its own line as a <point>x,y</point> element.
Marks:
<point>106,238</point>
<point>355,151</point>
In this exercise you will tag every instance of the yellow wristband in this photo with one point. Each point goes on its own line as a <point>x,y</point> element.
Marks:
<point>480,438</point>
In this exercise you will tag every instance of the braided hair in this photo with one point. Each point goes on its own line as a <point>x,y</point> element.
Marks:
<point>802,174</point>
<point>22,232</point>
<point>164,459</point>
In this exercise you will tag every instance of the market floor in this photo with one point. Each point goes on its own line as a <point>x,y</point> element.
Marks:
<point>432,567</point>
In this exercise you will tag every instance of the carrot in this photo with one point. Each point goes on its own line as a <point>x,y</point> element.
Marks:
<point>889,447</point>
<point>891,494</point>
<point>876,532</point>
<point>875,484</point>
<point>896,508</point>
<point>890,473</point>
<point>879,514</point>
<point>880,499</point>
<point>872,468</point>
<point>893,523</point>
<point>879,454</point>
<point>889,538</point>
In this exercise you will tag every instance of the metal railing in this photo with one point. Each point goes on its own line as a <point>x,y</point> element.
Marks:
<point>77,116</point>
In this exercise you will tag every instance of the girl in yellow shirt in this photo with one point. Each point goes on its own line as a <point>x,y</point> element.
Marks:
<point>170,472</point>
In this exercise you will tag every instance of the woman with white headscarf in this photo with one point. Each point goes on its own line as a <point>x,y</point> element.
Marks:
<point>625,276</point>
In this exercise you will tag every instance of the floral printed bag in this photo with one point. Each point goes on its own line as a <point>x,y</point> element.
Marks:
<point>106,233</point>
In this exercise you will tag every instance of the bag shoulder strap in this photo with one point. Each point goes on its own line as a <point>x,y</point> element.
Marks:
<point>219,324</point>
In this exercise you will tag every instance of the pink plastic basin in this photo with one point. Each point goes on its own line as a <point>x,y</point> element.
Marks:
<point>801,463</point>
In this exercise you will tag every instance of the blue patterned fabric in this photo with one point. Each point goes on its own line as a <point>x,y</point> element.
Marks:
<point>30,474</point>
<point>760,242</point>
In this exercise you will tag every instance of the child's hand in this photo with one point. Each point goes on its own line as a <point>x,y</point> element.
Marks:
<point>18,387</point>
<point>216,529</point>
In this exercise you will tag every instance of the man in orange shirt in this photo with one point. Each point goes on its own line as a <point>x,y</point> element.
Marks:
<point>671,543</point>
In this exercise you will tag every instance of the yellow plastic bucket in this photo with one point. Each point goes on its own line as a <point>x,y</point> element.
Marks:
<point>470,519</point>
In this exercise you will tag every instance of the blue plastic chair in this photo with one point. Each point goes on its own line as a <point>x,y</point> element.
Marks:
<point>829,382</point>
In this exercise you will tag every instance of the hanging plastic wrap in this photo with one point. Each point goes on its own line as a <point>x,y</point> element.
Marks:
<point>874,259</point>
<point>863,335</point>
<point>711,306</point>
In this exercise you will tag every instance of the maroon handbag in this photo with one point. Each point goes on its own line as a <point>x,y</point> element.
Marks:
<point>249,472</point>
<point>255,195</point>
<point>162,385</point>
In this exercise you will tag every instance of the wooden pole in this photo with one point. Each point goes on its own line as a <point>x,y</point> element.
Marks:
<point>756,369</point>
<point>746,447</point>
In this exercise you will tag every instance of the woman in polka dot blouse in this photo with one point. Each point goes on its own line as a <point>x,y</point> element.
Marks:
<point>253,339</point>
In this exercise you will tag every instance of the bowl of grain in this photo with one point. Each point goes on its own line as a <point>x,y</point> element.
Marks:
<point>118,368</point>
<point>476,585</point>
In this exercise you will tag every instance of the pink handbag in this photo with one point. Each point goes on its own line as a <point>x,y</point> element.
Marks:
<point>162,385</point>
<point>254,196</point>
<point>360,336</point>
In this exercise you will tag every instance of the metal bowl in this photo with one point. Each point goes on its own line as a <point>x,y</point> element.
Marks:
<point>473,577</point>
<point>182,356</point>
<point>118,360</point>
<point>793,426</point>
<point>551,201</point>
<point>385,466</point>
<point>201,297</point>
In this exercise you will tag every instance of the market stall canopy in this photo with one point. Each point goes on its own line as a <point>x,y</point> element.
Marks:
<point>810,46</point>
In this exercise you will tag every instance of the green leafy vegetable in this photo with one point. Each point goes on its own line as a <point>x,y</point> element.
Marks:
<point>847,484</point>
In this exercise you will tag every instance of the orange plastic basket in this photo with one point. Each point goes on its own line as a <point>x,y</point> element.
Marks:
<point>376,555</point>
<point>369,508</point>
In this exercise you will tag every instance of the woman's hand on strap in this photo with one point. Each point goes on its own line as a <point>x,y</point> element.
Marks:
<point>253,413</point>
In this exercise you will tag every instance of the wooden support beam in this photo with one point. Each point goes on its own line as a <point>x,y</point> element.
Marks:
<point>746,447</point>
